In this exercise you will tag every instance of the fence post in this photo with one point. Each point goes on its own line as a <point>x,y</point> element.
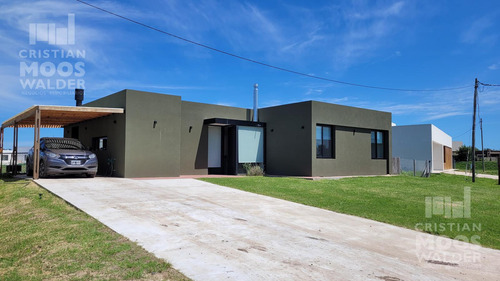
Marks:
<point>414,167</point>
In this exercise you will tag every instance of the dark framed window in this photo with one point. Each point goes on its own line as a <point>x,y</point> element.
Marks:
<point>100,143</point>
<point>325,142</point>
<point>378,145</point>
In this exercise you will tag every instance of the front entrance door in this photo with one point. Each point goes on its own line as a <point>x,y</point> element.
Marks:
<point>447,155</point>
<point>214,147</point>
<point>222,150</point>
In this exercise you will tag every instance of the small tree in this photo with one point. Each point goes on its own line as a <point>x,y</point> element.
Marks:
<point>462,153</point>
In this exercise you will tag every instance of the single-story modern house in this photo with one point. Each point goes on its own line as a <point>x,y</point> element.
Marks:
<point>423,143</point>
<point>162,135</point>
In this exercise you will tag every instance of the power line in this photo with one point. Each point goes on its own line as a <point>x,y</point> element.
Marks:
<point>484,84</point>
<point>462,134</point>
<point>263,63</point>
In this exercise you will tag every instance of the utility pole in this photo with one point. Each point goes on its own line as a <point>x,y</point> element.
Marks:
<point>474,133</point>
<point>482,147</point>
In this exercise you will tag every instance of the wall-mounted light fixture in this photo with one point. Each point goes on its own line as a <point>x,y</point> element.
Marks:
<point>154,124</point>
<point>190,128</point>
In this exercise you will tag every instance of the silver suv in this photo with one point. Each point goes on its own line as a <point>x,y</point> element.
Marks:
<point>63,156</point>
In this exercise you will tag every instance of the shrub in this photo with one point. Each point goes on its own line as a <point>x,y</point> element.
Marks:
<point>253,169</point>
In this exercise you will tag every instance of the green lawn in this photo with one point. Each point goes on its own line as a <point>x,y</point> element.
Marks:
<point>23,168</point>
<point>491,167</point>
<point>46,239</point>
<point>398,200</point>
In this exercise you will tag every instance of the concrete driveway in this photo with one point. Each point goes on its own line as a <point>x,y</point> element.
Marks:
<point>210,232</point>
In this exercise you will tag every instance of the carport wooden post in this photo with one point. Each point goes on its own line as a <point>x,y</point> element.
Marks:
<point>13,161</point>
<point>36,146</point>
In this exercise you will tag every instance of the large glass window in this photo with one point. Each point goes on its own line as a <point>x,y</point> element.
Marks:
<point>378,145</point>
<point>250,144</point>
<point>324,141</point>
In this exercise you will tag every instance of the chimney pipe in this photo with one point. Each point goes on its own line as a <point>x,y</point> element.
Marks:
<point>256,102</point>
<point>79,96</point>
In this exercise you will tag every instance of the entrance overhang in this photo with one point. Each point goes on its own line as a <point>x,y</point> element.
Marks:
<point>229,122</point>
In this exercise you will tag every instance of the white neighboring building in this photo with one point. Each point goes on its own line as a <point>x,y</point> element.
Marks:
<point>7,156</point>
<point>423,143</point>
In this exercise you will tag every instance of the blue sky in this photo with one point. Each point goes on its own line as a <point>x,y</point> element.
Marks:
<point>398,44</point>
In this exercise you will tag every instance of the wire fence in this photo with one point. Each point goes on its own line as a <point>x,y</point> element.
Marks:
<point>413,167</point>
<point>7,163</point>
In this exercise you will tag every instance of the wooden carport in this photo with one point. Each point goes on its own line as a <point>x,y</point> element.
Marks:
<point>48,116</point>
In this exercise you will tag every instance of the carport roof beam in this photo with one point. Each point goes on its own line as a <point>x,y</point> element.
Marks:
<point>58,116</point>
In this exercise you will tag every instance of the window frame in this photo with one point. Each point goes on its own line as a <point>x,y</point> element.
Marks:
<point>374,145</point>
<point>96,143</point>
<point>332,138</point>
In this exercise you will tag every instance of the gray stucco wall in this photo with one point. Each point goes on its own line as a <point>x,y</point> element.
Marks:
<point>194,143</point>
<point>288,139</point>
<point>352,140</point>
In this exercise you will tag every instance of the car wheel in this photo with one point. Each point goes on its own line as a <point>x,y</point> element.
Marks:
<point>43,172</point>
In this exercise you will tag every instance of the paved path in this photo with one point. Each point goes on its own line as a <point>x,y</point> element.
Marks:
<point>469,174</point>
<point>210,232</point>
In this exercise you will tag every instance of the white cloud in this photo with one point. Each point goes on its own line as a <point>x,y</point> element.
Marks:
<point>481,31</point>
<point>313,92</point>
<point>342,100</point>
<point>225,104</point>
<point>382,12</point>
<point>494,66</point>
<point>367,29</point>
<point>437,116</point>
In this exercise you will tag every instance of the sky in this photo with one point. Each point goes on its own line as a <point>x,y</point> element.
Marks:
<point>423,45</point>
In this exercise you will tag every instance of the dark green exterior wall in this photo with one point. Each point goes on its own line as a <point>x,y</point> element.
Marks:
<point>353,128</point>
<point>139,149</point>
<point>291,139</point>
<point>194,143</point>
<point>112,126</point>
<point>152,150</point>
<point>288,139</point>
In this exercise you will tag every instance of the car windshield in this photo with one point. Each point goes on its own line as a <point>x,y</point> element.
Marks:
<point>63,144</point>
